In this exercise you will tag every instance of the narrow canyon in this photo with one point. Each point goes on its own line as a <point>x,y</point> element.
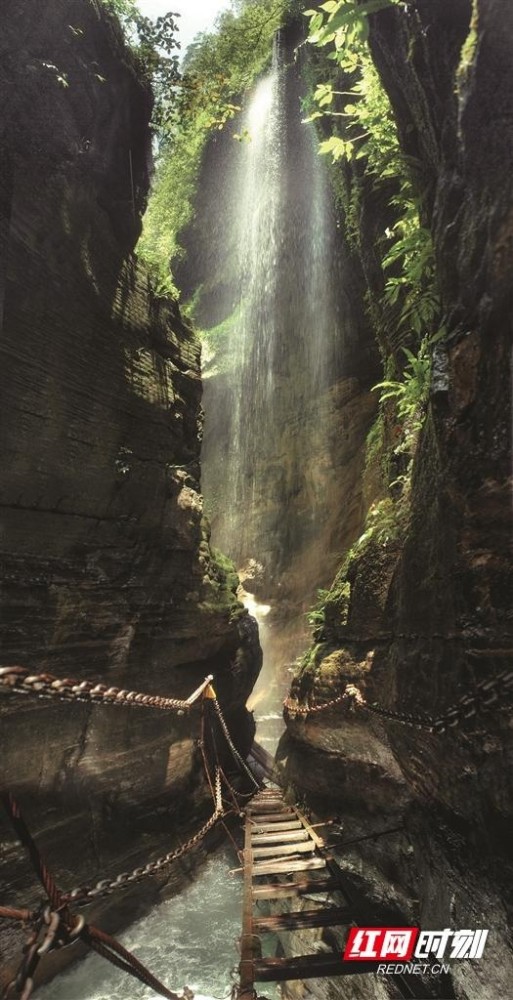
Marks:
<point>256,315</point>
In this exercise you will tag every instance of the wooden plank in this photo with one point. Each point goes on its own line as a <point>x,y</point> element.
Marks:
<point>283,867</point>
<point>263,758</point>
<point>329,916</point>
<point>195,694</point>
<point>267,805</point>
<point>269,970</point>
<point>273,797</point>
<point>311,830</point>
<point>275,817</point>
<point>293,824</point>
<point>288,836</point>
<point>281,890</point>
<point>281,850</point>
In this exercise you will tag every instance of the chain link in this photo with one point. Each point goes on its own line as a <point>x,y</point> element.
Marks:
<point>83,894</point>
<point>231,744</point>
<point>18,680</point>
<point>485,696</point>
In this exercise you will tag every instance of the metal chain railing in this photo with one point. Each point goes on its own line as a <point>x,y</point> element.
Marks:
<point>231,744</point>
<point>55,926</point>
<point>18,680</point>
<point>485,696</point>
<point>105,887</point>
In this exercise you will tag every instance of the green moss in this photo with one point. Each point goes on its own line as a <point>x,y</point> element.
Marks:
<point>375,441</point>
<point>223,573</point>
<point>468,50</point>
<point>219,67</point>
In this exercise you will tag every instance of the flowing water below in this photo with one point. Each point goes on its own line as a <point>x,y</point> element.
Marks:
<point>188,940</point>
<point>192,939</point>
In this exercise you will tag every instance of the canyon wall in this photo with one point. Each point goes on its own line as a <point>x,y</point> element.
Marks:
<point>418,620</point>
<point>107,570</point>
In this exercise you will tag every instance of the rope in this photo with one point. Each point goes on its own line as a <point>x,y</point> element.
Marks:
<point>22,831</point>
<point>114,952</point>
<point>24,916</point>
<point>61,928</point>
<point>487,693</point>
<point>18,680</point>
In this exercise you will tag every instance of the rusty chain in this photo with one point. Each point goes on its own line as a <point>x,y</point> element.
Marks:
<point>50,929</point>
<point>83,894</point>
<point>54,926</point>
<point>485,695</point>
<point>18,680</point>
<point>231,744</point>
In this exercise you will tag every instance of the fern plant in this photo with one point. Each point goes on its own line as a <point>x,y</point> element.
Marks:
<point>364,129</point>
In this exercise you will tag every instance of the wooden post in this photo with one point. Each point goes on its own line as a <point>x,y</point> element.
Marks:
<point>247,944</point>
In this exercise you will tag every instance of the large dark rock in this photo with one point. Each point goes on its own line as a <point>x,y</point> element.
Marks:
<point>448,598</point>
<point>107,570</point>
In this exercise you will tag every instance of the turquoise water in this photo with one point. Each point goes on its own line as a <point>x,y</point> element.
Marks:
<point>190,940</point>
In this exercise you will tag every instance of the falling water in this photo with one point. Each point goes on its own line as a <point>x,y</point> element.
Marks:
<point>258,238</point>
<point>261,458</point>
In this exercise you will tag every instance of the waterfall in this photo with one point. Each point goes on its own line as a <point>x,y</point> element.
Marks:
<point>266,452</point>
<point>257,225</point>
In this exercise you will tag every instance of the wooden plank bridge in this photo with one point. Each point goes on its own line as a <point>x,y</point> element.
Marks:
<point>285,858</point>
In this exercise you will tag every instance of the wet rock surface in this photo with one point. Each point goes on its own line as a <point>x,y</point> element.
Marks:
<point>107,570</point>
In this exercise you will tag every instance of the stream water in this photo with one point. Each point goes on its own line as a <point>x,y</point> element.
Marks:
<point>188,940</point>
<point>192,939</point>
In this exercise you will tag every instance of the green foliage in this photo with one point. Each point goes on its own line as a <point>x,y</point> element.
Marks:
<point>364,129</point>
<point>122,8</point>
<point>155,45</point>
<point>315,616</point>
<point>410,395</point>
<point>344,23</point>
<point>219,67</point>
<point>385,521</point>
<point>469,48</point>
<point>382,525</point>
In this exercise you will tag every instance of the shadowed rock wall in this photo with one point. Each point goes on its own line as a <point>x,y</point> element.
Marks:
<point>436,617</point>
<point>107,570</point>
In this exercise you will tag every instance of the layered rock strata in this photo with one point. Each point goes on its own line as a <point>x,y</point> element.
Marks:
<point>441,620</point>
<point>107,570</point>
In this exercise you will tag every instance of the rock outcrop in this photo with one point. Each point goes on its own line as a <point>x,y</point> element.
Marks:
<point>440,620</point>
<point>107,570</point>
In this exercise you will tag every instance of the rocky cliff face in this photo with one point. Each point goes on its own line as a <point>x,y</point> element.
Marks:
<point>107,571</point>
<point>435,619</point>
